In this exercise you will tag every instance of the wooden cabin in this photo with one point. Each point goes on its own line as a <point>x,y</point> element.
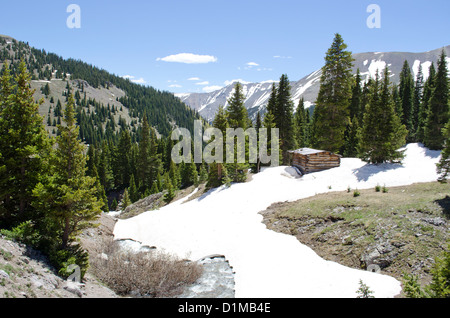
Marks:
<point>309,160</point>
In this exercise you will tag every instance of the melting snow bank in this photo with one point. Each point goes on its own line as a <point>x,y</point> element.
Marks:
<point>226,221</point>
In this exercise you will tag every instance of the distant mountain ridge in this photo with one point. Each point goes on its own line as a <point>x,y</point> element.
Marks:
<point>258,94</point>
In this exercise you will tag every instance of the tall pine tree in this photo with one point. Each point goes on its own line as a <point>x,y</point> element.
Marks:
<point>382,133</point>
<point>437,116</point>
<point>332,106</point>
<point>300,124</point>
<point>69,198</point>
<point>406,89</point>
<point>283,116</point>
<point>24,145</point>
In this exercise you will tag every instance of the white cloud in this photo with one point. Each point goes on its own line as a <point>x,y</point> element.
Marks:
<point>188,58</point>
<point>202,83</point>
<point>282,57</point>
<point>134,80</point>
<point>209,89</point>
<point>252,64</point>
<point>193,79</point>
<point>235,81</point>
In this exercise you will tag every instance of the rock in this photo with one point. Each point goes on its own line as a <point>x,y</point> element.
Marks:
<point>434,221</point>
<point>4,274</point>
<point>74,288</point>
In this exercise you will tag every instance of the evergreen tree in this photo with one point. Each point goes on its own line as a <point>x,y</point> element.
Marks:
<point>170,194</point>
<point>215,169</point>
<point>236,111</point>
<point>382,133</point>
<point>203,174</point>
<point>355,101</point>
<point>133,190</point>
<point>352,138</point>
<point>350,148</point>
<point>300,125</point>
<point>417,104</point>
<point>272,104</point>
<point>406,89</point>
<point>269,123</point>
<point>284,118</point>
<point>237,117</point>
<point>123,160</point>
<point>444,164</point>
<point>24,145</point>
<point>145,161</point>
<point>104,168</point>
<point>332,107</point>
<point>258,124</point>
<point>126,201</point>
<point>438,116</point>
<point>69,197</point>
<point>427,91</point>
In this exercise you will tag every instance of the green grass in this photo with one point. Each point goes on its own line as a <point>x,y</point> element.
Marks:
<point>429,197</point>
<point>342,227</point>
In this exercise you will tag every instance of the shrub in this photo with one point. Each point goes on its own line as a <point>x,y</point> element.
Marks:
<point>377,188</point>
<point>356,193</point>
<point>364,291</point>
<point>143,274</point>
<point>63,259</point>
<point>440,283</point>
<point>24,233</point>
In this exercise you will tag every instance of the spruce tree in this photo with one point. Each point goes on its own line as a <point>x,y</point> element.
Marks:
<point>438,110</point>
<point>271,105</point>
<point>236,111</point>
<point>284,118</point>
<point>104,168</point>
<point>145,161</point>
<point>24,145</point>
<point>126,201</point>
<point>332,106</point>
<point>355,101</point>
<point>427,91</point>
<point>300,125</point>
<point>443,166</point>
<point>69,197</point>
<point>133,190</point>
<point>352,138</point>
<point>215,169</point>
<point>123,160</point>
<point>237,117</point>
<point>382,132</point>
<point>269,123</point>
<point>417,103</point>
<point>406,89</point>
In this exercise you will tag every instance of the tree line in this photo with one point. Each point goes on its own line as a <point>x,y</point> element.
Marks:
<point>369,119</point>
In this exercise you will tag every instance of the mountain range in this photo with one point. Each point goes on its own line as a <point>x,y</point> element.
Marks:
<point>257,94</point>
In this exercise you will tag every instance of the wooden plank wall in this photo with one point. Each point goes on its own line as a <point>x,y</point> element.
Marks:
<point>316,162</point>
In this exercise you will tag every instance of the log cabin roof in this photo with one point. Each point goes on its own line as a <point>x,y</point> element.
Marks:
<point>309,151</point>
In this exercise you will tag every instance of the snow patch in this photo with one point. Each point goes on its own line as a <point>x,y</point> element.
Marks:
<point>226,221</point>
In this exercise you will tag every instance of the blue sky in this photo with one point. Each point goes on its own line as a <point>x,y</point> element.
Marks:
<point>151,41</point>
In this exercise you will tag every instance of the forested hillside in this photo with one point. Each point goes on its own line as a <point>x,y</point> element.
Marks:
<point>163,110</point>
<point>76,141</point>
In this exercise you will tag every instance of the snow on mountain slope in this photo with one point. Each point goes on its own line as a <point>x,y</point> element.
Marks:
<point>258,94</point>
<point>226,221</point>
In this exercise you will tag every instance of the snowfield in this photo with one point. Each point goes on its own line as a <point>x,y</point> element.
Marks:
<point>225,221</point>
